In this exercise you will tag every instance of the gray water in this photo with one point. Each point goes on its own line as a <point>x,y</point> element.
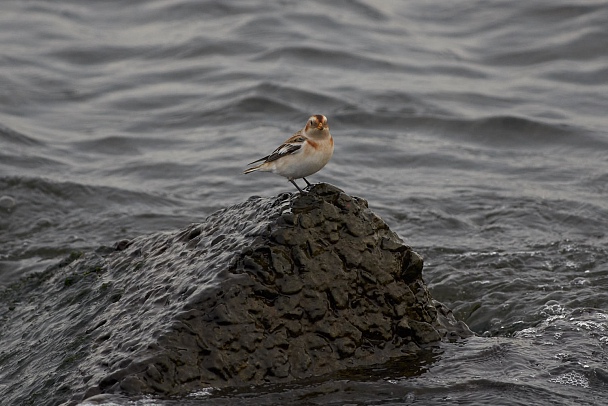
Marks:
<point>477,130</point>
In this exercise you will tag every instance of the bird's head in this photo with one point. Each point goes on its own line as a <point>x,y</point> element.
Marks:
<point>318,122</point>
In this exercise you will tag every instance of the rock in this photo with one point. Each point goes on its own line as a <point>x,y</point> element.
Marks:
<point>269,290</point>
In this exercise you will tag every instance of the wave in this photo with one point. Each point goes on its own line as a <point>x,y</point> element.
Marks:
<point>11,136</point>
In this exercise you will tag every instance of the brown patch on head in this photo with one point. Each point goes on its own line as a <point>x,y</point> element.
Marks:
<point>321,121</point>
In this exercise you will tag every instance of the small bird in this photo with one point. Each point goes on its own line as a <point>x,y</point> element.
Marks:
<point>303,154</point>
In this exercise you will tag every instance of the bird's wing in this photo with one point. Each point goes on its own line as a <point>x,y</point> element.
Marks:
<point>290,146</point>
<point>258,160</point>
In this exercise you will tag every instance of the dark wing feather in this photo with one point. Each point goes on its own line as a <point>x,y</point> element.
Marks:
<point>289,147</point>
<point>259,160</point>
<point>283,150</point>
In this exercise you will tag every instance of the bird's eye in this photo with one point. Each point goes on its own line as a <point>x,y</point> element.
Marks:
<point>311,123</point>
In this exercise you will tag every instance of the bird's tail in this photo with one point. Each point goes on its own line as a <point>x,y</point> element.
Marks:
<point>252,169</point>
<point>257,167</point>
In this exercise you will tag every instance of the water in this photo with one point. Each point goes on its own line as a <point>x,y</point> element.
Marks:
<point>477,130</point>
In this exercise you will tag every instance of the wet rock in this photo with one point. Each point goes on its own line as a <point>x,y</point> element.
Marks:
<point>269,290</point>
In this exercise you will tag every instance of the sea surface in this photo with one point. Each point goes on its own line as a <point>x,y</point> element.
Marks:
<point>478,130</point>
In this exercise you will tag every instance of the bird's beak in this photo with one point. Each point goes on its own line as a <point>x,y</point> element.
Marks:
<point>320,126</point>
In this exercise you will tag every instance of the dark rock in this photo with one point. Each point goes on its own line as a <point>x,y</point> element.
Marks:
<point>270,290</point>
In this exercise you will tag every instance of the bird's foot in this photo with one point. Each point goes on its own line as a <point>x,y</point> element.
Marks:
<point>298,187</point>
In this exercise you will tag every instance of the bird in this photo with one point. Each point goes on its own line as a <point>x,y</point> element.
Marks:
<point>301,155</point>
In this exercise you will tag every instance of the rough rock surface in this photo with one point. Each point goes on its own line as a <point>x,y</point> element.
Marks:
<point>269,290</point>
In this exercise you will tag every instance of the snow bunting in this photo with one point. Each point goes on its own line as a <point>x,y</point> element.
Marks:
<point>305,153</point>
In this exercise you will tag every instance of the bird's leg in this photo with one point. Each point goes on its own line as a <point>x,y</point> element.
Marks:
<point>296,185</point>
<point>307,182</point>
